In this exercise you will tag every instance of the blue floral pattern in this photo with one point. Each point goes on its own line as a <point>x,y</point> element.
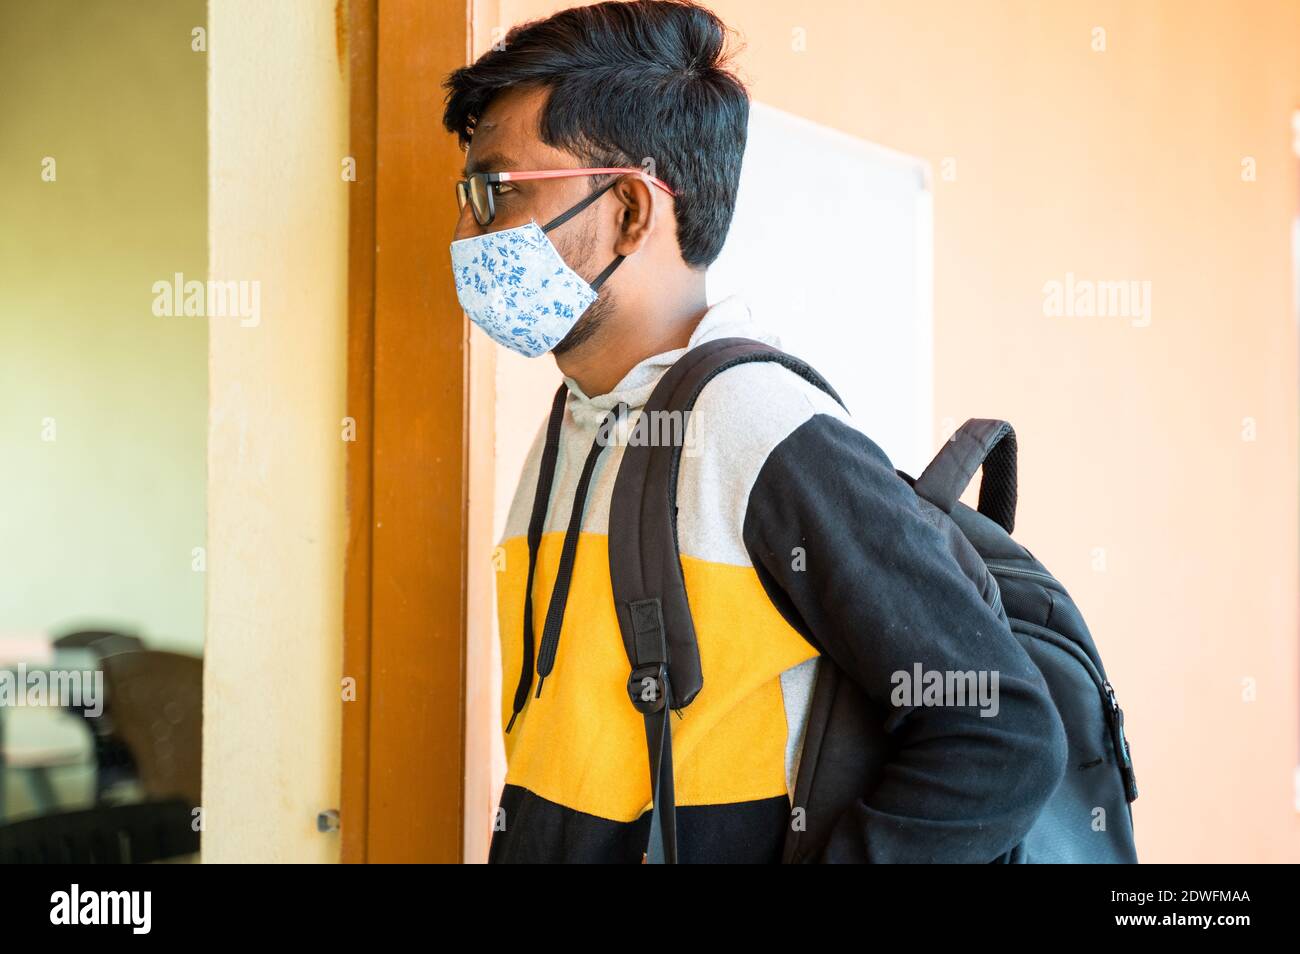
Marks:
<point>516,287</point>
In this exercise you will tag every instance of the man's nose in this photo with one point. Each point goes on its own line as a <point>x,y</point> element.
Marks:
<point>467,226</point>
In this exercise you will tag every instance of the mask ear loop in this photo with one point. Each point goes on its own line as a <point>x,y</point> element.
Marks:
<point>609,270</point>
<point>565,216</point>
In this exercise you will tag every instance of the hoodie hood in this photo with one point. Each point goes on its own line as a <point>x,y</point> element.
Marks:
<point>729,318</point>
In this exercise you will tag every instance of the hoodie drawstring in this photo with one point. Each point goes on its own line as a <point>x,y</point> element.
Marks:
<point>568,553</point>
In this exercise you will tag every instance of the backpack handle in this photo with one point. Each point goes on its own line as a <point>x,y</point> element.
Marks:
<point>979,442</point>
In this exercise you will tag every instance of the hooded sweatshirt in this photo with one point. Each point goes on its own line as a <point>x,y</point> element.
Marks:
<point>797,539</point>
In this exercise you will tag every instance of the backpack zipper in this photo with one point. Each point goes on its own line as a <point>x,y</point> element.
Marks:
<point>1117,716</point>
<point>1114,715</point>
<point>1012,570</point>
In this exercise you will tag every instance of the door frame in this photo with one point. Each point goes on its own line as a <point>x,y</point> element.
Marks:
<point>413,533</point>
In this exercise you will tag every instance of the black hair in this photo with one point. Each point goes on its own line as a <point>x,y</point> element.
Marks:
<point>629,81</point>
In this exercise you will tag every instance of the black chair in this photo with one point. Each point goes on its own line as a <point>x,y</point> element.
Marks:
<point>102,642</point>
<point>117,834</point>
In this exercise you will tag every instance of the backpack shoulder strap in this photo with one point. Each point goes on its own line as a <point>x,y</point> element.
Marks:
<point>644,564</point>
<point>645,568</point>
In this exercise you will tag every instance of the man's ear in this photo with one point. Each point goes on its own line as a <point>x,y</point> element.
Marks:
<point>636,214</point>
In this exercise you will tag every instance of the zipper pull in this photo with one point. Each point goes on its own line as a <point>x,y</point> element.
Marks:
<point>1117,716</point>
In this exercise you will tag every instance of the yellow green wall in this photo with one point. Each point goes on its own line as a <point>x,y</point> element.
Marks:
<point>98,526</point>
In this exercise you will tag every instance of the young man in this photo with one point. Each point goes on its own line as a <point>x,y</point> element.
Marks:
<point>797,537</point>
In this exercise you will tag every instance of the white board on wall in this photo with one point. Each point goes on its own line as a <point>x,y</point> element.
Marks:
<point>832,247</point>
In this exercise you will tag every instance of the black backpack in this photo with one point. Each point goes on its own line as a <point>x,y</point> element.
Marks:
<point>845,746</point>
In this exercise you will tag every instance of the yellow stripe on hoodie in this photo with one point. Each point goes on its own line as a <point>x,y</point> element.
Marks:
<point>582,745</point>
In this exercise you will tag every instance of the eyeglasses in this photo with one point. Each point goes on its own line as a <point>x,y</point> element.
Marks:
<point>478,189</point>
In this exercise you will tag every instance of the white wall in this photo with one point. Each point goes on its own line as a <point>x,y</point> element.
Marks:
<point>832,247</point>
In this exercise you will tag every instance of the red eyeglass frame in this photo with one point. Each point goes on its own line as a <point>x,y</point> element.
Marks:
<point>483,181</point>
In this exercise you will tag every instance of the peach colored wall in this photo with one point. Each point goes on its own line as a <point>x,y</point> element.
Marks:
<point>1158,462</point>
